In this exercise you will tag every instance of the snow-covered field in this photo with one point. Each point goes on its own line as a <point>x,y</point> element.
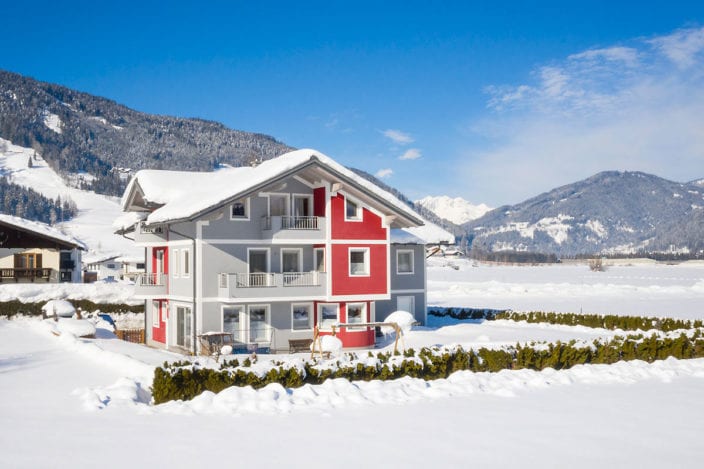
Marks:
<point>80,403</point>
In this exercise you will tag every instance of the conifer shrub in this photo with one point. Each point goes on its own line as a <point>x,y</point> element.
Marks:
<point>13,307</point>
<point>185,380</point>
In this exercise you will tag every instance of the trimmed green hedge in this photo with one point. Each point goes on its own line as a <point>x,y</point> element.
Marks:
<point>10,308</point>
<point>607,321</point>
<point>185,380</point>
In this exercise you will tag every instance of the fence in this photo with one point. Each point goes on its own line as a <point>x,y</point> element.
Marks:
<point>131,335</point>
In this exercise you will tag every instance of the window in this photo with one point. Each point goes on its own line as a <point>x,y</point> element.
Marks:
<point>328,315</point>
<point>356,313</point>
<point>156,314</point>
<point>301,316</point>
<point>258,324</point>
<point>231,321</point>
<point>352,210</point>
<point>183,326</point>
<point>28,260</point>
<point>406,303</point>
<point>290,260</point>
<point>359,262</point>
<point>319,259</point>
<point>404,262</point>
<point>140,265</point>
<point>110,266</point>
<point>240,209</point>
<point>185,262</point>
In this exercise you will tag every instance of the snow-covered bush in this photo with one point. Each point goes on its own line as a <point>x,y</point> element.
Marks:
<point>404,319</point>
<point>60,308</point>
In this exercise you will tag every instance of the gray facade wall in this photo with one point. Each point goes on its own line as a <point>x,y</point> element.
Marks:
<point>386,307</point>
<point>406,281</point>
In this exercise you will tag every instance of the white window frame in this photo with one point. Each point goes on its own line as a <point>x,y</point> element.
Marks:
<point>368,269</point>
<point>311,312</point>
<point>319,314</point>
<point>299,251</point>
<point>413,261</point>
<point>295,196</point>
<point>268,258</point>
<point>364,312</point>
<point>188,338</point>
<point>359,212</point>
<point>267,321</point>
<point>156,314</point>
<point>185,263</point>
<point>413,300</point>
<point>238,334</point>
<point>177,262</point>
<point>246,209</point>
<point>287,205</point>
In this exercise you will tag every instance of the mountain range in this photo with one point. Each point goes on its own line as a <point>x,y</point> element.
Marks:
<point>94,143</point>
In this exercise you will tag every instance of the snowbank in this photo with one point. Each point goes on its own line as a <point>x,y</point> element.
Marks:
<point>77,327</point>
<point>404,320</point>
<point>328,343</point>
<point>112,292</point>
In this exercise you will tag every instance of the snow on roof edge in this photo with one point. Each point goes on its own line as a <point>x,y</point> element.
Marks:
<point>41,229</point>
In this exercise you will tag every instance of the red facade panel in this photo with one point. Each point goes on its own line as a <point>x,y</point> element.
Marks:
<point>345,284</point>
<point>369,228</point>
<point>319,202</point>
<point>159,332</point>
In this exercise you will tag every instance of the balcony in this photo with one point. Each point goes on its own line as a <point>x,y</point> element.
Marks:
<point>285,227</point>
<point>23,275</point>
<point>150,284</point>
<point>272,285</point>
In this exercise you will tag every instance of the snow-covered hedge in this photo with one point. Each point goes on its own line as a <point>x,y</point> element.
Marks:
<point>607,321</point>
<point>10,308</point>
<point>185,380</point>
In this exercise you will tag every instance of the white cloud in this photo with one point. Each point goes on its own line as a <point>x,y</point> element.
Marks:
<point>410,154</point>
<point>398,136</point>
<point>384,173</point>
<point>639,107</point>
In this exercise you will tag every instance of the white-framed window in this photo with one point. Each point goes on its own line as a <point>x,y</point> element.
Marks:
<point>185,262</point>
<point>301,316</point>
<point>278,205</point>
<point>258,323</point>
<point>239,210</point>
<point>356,313</point>
<point>353,210</point>
<point>319,259</point>
<point>404,261</point>
<point>359,262</point>
<point>156,314</point>
<point>176,263</point>
<point>406,303</point>
<point>291,259</point>
<point>184,318</point>
<point>328,315</point>
<point>232,321</point>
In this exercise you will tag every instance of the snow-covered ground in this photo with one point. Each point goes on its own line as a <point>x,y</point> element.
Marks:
<point>87,401</point>
<point>644,289</point>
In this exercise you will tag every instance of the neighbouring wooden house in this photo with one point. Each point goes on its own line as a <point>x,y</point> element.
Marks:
<point>267,253</point>
<point>35,252</point>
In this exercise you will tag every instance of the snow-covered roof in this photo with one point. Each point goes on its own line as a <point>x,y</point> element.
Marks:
<point>429,233</point>
<point>181,195</point>
<point>40,229</point>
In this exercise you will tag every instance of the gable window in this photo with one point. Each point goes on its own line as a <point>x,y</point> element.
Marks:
<point>359,261</point>
<point>301,314</point>
<point>328,315</point>
<point>353,211</point>
<point>356,313</point>
<point>404,262</point>
<point>240,209</point>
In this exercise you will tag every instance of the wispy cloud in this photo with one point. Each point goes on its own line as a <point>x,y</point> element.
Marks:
<point>410,154</point>
<point>634,107</point>
<point>397,136</point>
<point>384,173</point>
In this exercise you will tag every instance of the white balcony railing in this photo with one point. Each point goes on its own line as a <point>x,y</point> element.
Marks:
<point>291,223</point>
<point>300,279</point>
<point>255,280</point>
<point>151,279</point>
<point>269,279</point>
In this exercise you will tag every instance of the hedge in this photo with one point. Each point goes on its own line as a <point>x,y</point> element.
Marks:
<point>608,321</point>
<point>185,380</point>
<point>10,308</point>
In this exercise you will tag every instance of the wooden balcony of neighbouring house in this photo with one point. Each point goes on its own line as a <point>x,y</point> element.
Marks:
<point>28,275</point>
<point>272,285</point>
<point>295,228</point>
<point>150,284</point>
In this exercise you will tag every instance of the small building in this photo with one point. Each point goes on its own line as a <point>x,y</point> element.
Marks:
<point>132,267</point>
<point>31,251</point>
<point>101,267</point>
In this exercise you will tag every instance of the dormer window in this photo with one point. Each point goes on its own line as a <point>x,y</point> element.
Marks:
<point>240,209</point>
<point>353,211</point>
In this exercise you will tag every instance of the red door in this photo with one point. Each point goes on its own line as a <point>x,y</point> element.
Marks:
<point>159,321</point>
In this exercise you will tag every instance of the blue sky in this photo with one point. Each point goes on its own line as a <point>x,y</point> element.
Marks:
<point>494,103</point>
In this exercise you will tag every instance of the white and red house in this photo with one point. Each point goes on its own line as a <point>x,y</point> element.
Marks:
<point>269,252</point>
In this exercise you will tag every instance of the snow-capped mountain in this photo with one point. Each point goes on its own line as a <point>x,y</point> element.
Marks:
<point>457,210</point>
<point>611,212</point>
